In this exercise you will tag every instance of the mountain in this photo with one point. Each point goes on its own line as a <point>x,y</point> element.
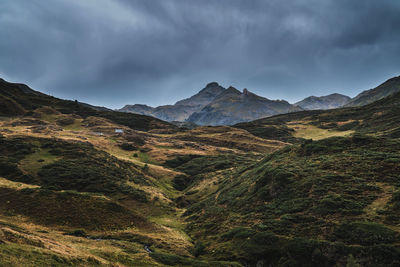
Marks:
<point>95,107</point>
<point>19,99</point>
<point>215,105</point>
<point>63,166</point>
<point>233,106</point>
<point>307,188</point>
<point>381,118</point>
<point>166,113</point>
<point>333,192</point>
<point>204,97</point>
<point>182,109</point>
<point>389,87</point>
<point>323,102</point>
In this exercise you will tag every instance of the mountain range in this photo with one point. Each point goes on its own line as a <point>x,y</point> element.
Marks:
<point>215,105</point>
<point>323,102</point>
<point>88,186</point>
<point>182,109</point>
<point>233,106</point>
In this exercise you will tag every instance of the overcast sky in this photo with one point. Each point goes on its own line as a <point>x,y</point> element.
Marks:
<point>115,52</point>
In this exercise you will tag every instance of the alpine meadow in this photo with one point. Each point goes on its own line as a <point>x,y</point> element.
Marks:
<point>269,134</point>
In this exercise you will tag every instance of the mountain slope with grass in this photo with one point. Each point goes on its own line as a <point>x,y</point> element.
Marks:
<point>308,188</point>
<point>19,99</point>
<point>313,204</point>
<point>63,167</point>
<point>327,200</point>
<point>387,88</point>
<point>380,118</point>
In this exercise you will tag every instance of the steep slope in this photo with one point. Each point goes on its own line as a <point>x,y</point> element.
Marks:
<point>389,87</point>
<point>204,97</point>
<point>323,102</point>
<point>63,167</point>
<point>18,99</point>
<point>232,106</point>
<point>210,196</point>
<point>324,203</point>
<point>330,200</point>
<point>378,118</point>
<point>182,109</point>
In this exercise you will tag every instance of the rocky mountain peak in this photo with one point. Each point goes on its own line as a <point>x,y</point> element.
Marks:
<point>212,84</point>
<point>233,90</point>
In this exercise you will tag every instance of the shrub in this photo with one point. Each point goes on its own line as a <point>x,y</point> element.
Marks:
<point>9,169</point>
<point>77,232</point>
<point>65,121</point>
<point>128,146</point>
<point>198,249</point>
<point>169,259</point>
<point>365,233</point>
<point>181,182</point>
<point>335,203</point>
<point>238,232</point>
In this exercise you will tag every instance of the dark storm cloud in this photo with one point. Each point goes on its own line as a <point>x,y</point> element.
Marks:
<point>157,51</point>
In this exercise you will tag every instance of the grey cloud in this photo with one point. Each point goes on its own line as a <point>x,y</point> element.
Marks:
<point>134,51</point>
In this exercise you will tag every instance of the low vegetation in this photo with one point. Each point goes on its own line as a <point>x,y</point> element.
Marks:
<point>311,188</point>
<point>301,202</point>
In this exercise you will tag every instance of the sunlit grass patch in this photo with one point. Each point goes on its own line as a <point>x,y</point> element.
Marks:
<point>32,163</point>
<point>76,126</point>
<point>15,185</point>
<point>308,131</point>
<point>164,147</point>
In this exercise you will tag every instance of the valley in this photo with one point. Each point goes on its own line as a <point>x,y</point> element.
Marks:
<point>86,187</point>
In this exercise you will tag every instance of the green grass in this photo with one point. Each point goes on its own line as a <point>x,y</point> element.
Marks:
<point>144,157</point>
<point>67,209</point>
<point>298,201</point>
<point>32,163</point>
<point>164,147</point>
<point>307,131</point>
<point>33,256</point>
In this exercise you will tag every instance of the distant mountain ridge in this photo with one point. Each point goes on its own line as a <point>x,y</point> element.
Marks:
<point>323,102</point>
<point>182,109</point>
<point>215,105</point>
<point>233,106</point>
<point>387,88</point>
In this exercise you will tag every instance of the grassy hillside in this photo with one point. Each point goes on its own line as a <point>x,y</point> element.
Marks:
<point>389,87</point>
<point>103,209</point>
<point>313,204</point>
<point>75,192</point>
<point>19,99</point>
<point>378,118</point>
<point>311,188</point>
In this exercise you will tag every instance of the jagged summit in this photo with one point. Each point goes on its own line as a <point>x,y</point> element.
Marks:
<point>204,96</point>
<point>215,105</point>
<point>182,109</point>
<point>212,84</point>
<point>233,106</point>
